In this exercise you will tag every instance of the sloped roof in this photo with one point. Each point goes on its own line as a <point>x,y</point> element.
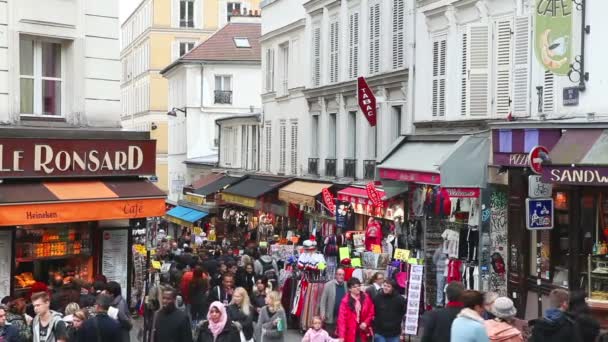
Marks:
<point>221,47</point>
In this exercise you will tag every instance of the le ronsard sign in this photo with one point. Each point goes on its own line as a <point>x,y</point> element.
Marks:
<point>367,101</point>
<point>37,158</point>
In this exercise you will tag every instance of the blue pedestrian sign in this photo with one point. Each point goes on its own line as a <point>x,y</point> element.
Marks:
<point>539,213</point>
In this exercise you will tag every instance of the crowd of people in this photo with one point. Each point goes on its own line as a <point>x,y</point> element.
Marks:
<point>217,297</point>
<point>470,316</point>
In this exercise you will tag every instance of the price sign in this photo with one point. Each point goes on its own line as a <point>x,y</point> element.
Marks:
<point>156,264</point>
<point>376,249</point>
<point>401,254</point>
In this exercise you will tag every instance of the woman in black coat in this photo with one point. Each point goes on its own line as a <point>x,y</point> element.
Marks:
<point>241,312</point>
<point>589,327</point>
<point>218,327</point>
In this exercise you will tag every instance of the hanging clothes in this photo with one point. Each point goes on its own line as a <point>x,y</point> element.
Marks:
<point>453,271</point>
<point>373,234</point>
<point>450,243</point>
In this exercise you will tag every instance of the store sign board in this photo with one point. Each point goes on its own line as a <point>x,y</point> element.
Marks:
<point>539,213</point>
<point>195,199</point>
<point>241,200</point>
<point>365,206</point>
<point>367,101</point>
<point>511,159</point>
<point>537,188</point>
<point>411,176</point>
<point>579,175</point>
<point>41,158</point>
<point>553,35</point>
<point>115,257</point>
<point>463,192</point>
<point>58,212</point>
<point>412,314</point>
<point>373,194</point>
<point>328,199</point>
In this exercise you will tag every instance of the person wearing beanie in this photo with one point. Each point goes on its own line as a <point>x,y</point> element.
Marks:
<point>502,326</point>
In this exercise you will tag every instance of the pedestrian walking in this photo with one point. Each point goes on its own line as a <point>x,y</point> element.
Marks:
<point>218,327</point>
<point>75,328</point>
<point>438,323</point>
<point>488,301</point>
<point>375,284</point>
<point>123,316</point>
<point>259,294</point>
<point>223,293</point>
<point>16,316</point>
<point>47,325</point>
<point>241,311</point>
<point>101,327</point>
<point>272,321</point>
<point>355,315</point>
<point>588,326</point>
<point>502,326</point>
<point>196,296</point>
<point>169,323</point>
<point>8,333</point>
<point>390,307</point>
<point>469,324</point>
<point>332,295</point>
<point>316,332</point>
<point>557,325</point>
<point>246,279</point>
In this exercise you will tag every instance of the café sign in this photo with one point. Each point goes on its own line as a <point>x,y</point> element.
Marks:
<point>39,158</point>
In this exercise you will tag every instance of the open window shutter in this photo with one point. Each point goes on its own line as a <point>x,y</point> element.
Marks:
<point>464,73</point>
<point>502,85</point>
<point>548,93</point>
<point>271,69</point>
<point>282,146</point>
<point>521,60</point>
<point>294,147</point>
<point>174,50</point>
<point>268,142</point>
<point>374,38</point>
<point>353,61</point>
<point>316,56</point>
<point>175,13</point>
<point>334,57</point>
<point>439,76</point>
<point>479,64</point>
<point>198,14</point>
<point>398,33</point>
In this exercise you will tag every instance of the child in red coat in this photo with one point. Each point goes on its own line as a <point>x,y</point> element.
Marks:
<point>355,315</point>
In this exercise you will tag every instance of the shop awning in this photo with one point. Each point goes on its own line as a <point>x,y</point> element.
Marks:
<point>415,161</point>
<point>350,192</point>
<point>393,188</point>
<point>185,214</point>
<point>302,193</point>
<point>581,147</point>
<point>249,189</point>
<point>28,203</point>
<point>217,185</point>
<point>467,164</point>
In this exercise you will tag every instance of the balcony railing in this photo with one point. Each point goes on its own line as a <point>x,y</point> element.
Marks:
<point>369,169</point>
<point>223,96</point>
<point>330,167</point>
<point>313,166</point>
<point>350,168</point>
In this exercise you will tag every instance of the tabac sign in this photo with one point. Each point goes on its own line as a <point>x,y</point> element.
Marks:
<point>40,158</point>
<point>553,35</point>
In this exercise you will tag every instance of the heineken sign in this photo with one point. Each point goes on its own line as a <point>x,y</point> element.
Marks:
<point>553,35</point>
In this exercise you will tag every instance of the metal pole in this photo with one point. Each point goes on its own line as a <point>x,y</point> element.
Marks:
<point>539,246</point>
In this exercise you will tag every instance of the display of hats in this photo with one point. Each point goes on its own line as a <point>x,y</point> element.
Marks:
<point>309,244</point>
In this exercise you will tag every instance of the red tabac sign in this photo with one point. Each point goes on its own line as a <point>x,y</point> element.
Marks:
<point>328,198</point>
<point>374,195</point>
<point>41,158</point>
<point>367,101</point>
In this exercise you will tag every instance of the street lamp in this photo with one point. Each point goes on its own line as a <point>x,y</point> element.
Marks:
<point>173,112</point>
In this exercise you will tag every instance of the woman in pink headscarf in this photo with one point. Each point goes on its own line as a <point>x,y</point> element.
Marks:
<point>218,327</point>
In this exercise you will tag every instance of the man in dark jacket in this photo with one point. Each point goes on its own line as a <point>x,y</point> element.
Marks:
<point>101,327</point>
<point>556,325</point>
<point>8,333</point>
<point>438,323</point>
<point>222,293</point>
<point>390,308</point>
<point>169,323</point>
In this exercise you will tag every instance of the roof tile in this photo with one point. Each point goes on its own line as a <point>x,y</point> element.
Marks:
<point>221,47</point>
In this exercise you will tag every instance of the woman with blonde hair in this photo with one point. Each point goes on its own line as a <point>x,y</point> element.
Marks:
<point>240,311</point>
<point>272,321</point>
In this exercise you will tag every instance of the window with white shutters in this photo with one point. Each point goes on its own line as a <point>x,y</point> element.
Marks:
<point>439,76</point>
<point>521,60</point>
<point>464,73</point>
<point>269,70</point>
<point>314,136</point>
<point>548,92</point>
<point>284,68</point>
<point>254,147</point>
<point>294,147</point>
<point>316,56</point>
<point>268,143</point>
<point>398,33</point>
<point>374,38</point>
<point>479,64</point>
<point>282,146</point>
<point>353,45</point>
<point>334,56</point>
<point>502,80</point>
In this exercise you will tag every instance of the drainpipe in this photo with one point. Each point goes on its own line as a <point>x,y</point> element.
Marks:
<point>411,89</point>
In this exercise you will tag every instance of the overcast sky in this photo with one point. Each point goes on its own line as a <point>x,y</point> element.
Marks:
<point>126,7</point>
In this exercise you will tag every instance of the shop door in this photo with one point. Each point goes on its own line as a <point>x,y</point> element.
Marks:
<point>518,240</point>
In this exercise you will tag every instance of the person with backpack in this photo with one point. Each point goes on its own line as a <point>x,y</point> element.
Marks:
<point>101,327</point>
<point>557,325</point>
<point>502,326</point>
<point>222,293</point>
<point>47,325</point>
<point>266,266</point>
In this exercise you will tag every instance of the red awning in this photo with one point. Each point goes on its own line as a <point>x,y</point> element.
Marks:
<point>359,193</point>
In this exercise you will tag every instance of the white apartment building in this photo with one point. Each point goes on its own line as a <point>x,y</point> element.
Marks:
<point>59,63</point>
<point>219,78</point>
<point>341,40</point>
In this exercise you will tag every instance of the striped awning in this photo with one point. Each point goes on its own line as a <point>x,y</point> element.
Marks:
<point>26,203</point>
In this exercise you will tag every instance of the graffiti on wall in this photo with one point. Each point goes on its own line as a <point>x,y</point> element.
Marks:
<point>499,243</point>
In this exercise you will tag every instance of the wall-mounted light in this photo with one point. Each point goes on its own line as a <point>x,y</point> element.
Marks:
<point>153,126</point>
<point>174,110</point>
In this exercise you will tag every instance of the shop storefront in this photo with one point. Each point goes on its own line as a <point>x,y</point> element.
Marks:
<point>68,207</point>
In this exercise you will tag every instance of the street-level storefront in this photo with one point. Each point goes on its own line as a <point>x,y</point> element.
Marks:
<point>68,206</point>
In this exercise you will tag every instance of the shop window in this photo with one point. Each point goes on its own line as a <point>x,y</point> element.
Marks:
<point>41,80</point>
